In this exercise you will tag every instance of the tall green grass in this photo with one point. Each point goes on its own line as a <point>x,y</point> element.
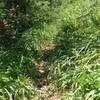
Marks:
<point>78,39</point>
<point>73,28</point>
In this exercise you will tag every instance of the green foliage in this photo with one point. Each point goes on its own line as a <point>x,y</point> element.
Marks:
<point>15,88</point>
<point>77,66</point>
<point>78,26</point>
<point>81,73</point>
<point>64,34</point>
<point>20,16</point>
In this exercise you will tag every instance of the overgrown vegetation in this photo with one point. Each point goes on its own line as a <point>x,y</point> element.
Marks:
<point>52,44</point>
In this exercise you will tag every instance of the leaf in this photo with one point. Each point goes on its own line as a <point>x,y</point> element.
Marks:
<point>90,95</point>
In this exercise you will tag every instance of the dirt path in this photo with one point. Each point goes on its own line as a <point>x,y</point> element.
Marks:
<point>46,88</point>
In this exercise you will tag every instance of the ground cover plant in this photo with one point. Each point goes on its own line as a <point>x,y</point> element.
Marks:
<point>50,50</point>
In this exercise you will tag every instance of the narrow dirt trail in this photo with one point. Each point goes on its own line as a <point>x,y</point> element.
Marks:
<point>46,88</point>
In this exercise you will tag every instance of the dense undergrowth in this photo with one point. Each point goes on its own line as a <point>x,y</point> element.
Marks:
<point>55,42</point>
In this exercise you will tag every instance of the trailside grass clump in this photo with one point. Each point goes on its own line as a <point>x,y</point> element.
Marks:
<point>77,66</point>
<point>22,34</point>
<point>78,74</point>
